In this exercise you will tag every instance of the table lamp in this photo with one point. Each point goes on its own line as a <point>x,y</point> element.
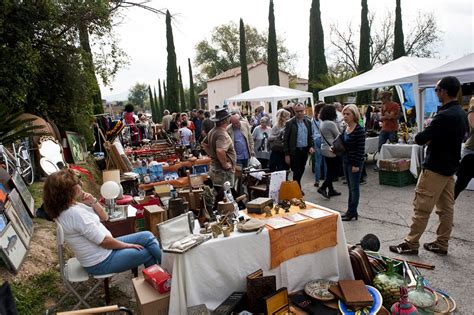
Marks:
<point>110,191</point>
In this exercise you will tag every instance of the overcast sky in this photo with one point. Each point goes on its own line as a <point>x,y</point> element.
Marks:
<point>142,34</point>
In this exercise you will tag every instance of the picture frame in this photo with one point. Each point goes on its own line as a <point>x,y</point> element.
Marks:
<point>24,193</point>
<point>12,249</point>
<point>3,196</point>
<point>19,227</point>
<point>3,222</point>
<point>200,169</point>
<point>19,207</point>
<point>77,146</point>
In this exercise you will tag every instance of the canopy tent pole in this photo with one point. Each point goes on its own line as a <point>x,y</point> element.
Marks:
<point>420,110</point>
<point>402,100</point>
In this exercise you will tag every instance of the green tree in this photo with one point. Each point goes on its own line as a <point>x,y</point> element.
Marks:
<point>171,69</point>
<point>165,98</point>
<point>152,103</point>
<point>192,94</point>
<point>272,50</point>
<point>398,43</point>
<point>221,52</point>
<point>182,99</point>
<point>364,97</point>
<point>160,98</point>
<point>244,74</point>
<point>317,59</point>
<point>158,110</point>
<point>138,94</point>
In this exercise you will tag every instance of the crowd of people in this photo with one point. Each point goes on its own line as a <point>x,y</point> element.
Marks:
<point>230,139</point>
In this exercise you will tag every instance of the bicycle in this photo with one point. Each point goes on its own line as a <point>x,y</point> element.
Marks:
<point>19,161</point>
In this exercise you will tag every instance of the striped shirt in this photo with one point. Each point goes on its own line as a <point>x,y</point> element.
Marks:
<point>354,143</point>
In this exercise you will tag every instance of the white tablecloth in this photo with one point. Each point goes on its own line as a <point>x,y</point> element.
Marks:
<point>210,272</point>
<point>409,151</point>
<point>371,145</point>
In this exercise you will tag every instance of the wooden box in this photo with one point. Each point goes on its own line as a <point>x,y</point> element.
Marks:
<point>153,216</point>
<point>194,197</point>
<point>257,205</point>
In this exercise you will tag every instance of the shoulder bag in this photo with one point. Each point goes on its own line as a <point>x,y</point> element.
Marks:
<point>337,146</point>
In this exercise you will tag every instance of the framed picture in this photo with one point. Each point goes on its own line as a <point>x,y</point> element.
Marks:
<point>19,207</point>
<point>20,228</point>
<point>78,147</point>
<point>12,250</point>
<point>3,222</point>
<point>24,193</point>
<point>200,169</point>
<point>3,196</point>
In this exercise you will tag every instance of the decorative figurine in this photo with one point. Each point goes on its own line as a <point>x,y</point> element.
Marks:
<point>268,211</point>
<point>403,307</point>
<point>295,202</point>
<point>302,204</point>
<point>277,209</point>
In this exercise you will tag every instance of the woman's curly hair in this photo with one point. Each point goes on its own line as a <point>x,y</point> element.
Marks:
<point>59,192</point>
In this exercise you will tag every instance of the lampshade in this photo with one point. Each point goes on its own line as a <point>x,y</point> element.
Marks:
<point>110,190</point>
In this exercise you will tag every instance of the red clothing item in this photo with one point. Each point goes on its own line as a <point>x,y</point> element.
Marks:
<point>392,110</point>
<point>129,119</point>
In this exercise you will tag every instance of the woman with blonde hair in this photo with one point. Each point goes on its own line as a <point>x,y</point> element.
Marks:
<point>353,158</point>
<point>277,157</point>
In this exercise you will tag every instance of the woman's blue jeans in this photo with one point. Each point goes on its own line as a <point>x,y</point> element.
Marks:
<point>125,259</point>
<point>353,182</point>
<point>318,160</point>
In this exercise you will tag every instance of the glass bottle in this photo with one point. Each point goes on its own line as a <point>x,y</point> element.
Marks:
<point>419,296</point>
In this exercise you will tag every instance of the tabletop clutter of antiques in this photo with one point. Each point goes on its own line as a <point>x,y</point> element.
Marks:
<point>391,286</point>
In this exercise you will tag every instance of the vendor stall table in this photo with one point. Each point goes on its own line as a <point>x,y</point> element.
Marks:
<point>213,270</point>
<point>409,151</point>
<point>371,145</point>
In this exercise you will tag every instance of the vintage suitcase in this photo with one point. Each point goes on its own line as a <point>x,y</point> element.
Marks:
<point>257,205</point>
<point>360,264</point>
<point>176,234</point>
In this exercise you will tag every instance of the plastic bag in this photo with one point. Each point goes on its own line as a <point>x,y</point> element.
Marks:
<point>253,162</point>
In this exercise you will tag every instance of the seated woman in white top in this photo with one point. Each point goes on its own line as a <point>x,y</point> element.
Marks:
<point>80,214</point>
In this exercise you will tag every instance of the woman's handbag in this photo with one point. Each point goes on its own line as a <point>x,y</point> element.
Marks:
<point>338,145</point>
<point>277,144</point>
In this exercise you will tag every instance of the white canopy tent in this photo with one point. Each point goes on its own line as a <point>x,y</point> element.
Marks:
<point>272,94</point>
<point>462,68</point>
<point>402,70</point>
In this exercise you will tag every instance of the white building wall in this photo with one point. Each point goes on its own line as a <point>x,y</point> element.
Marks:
<point>219,90</point>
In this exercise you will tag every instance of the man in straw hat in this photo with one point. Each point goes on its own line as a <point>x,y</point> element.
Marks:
<point>220,148</point>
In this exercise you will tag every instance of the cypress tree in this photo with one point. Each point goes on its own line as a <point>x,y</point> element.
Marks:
<point>364,97</point>
<point>398,44</point>
<point>244,73</point>
<point>161,104</point>
<point>272,50</point>
<point>171,70</point>
<point>158,111</point>
<point>152,103</point>
<point>182,100</point>
<point>317,60</point>
<point>192,97</point>
<point>165,98</point>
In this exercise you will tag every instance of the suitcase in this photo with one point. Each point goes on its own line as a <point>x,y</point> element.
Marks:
<point>361,266</point>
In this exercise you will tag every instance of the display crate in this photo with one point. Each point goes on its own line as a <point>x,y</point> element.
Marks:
<point>398,179</point>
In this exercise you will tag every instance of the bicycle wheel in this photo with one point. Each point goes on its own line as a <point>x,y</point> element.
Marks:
<point>25,165</point>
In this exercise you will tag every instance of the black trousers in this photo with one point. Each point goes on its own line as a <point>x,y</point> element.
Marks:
<point>465,174</point>
<point>298,163</point>
<point>332,164</point>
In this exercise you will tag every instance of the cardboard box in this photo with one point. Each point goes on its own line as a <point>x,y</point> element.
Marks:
<point>394,165</point>
<point>159,279</point>
<point>150,301</point>
<point>162,190</point>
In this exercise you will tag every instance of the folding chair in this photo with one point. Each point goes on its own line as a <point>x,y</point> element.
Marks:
<point>73,274</point>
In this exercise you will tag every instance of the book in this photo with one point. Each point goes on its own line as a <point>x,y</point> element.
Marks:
<point>278,223</point>
<point>295,217</point>
<point>310,305</point>
<point>259,286</point>
<point>230,304</point>
<point>334,289</point>
<point>355,293</point>
<point>315,213</point>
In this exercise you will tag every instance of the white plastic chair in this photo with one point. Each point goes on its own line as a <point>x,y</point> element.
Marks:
<point>73,273</point>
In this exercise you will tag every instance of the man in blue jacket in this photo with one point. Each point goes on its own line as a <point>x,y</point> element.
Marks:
<point>435,186</point>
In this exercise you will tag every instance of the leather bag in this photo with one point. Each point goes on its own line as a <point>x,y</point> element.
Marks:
<point>361,266</point>
<point>338,146</point>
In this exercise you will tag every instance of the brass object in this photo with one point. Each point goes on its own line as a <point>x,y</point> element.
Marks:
<point>302,204</point>
<point>277,209</point>
<point>295,201</point>
<point>268,211</point>
<point>226,231</point>
<point>216,229</point>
